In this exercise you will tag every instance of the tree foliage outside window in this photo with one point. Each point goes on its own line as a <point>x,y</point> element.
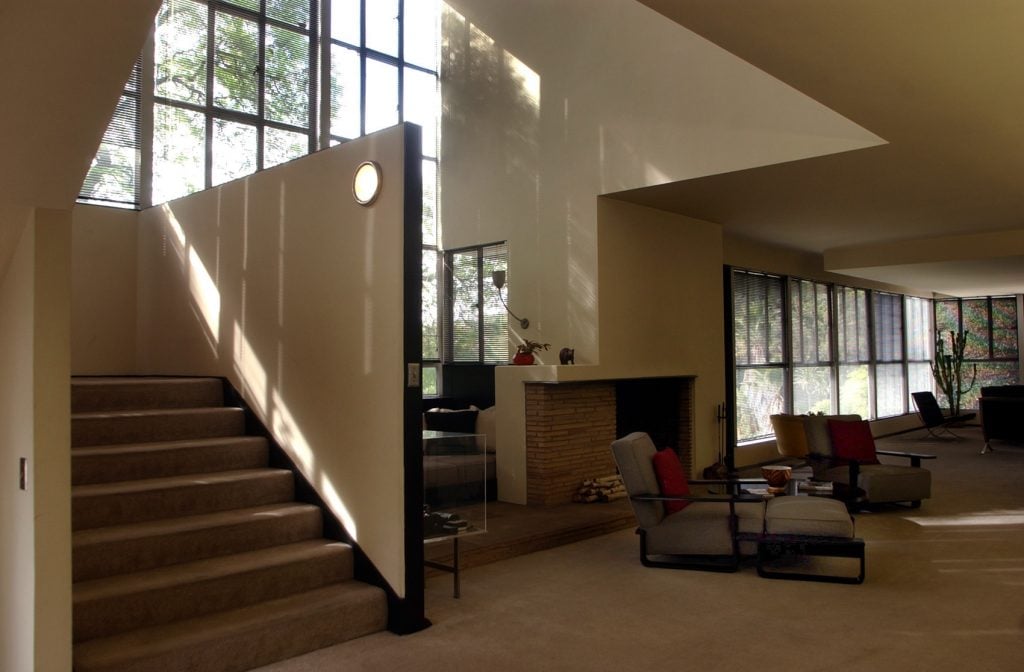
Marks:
<point>990,327</point>
<point>234,85</point>
<point>758,328</point>
<point>801,346</point>
<point>476,324</point>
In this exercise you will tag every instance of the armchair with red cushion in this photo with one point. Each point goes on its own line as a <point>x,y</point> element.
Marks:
<point>851,459</point>
<point>680,527</point>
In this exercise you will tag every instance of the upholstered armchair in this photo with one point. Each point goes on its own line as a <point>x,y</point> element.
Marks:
<point>841,449</point>
<point>678,528</point>
<point>681,529</point>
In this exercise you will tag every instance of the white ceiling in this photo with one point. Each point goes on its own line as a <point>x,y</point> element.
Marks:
<point>940,82</point>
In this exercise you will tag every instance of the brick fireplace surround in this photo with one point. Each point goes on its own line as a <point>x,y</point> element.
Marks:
<point>570,427</point>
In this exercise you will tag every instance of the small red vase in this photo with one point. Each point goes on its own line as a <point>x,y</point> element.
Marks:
<point>523,358</point>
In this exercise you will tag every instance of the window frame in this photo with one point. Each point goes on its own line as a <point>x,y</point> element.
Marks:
<point>497,252</point>
<point>317,129</point>
<point>854,340</point>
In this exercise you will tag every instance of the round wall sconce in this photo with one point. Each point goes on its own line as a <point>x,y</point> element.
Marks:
<point>367,183</point>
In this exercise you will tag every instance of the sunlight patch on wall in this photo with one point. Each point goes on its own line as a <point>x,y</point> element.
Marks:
<point>204,293</point>
<point>286,430</point>
<point>176,231</point>
<point>251,371</point>
<point>529,81</point>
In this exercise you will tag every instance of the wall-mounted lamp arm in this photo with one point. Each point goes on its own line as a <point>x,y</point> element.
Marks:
<point>498,277</point>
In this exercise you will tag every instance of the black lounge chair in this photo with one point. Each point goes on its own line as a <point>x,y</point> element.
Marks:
<point>935,421</point>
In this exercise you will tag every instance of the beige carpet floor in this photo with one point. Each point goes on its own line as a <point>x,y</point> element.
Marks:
<point>944,591</point>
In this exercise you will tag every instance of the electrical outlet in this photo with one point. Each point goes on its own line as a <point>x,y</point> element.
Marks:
<point>23,473</point>
<point>413,375</point>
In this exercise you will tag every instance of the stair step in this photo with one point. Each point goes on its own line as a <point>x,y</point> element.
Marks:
<point>124,549</point>
<point>133,461</point>
<point>242,639</point>
<point>105,504</point>
<point>89,394</point>
<point>113,427</point>
<point>112,605</point>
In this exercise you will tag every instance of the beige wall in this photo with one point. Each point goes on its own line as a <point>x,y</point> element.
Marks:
<point>662,306</point>
<point>17,544</point>
<point>52,414</point>
<point>282,283</point>
<point>103,290</point>
<point>35,524</point>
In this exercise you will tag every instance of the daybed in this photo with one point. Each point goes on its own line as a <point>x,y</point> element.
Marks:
<point>458,469</point>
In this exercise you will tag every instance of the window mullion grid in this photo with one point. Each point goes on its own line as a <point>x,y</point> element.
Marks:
<point>480,304</point>
<point>991,330</point>
<point>315,39</point>
<point>787,344</point>
<point>869,300</point>
<point>323,103</point>
<point>362,67</point>
<point>146,98</point>
<point>211,53</point>
<point>401,70</point>
<point>905,344</point>
<point>833,346</point>
<point>261,83</point>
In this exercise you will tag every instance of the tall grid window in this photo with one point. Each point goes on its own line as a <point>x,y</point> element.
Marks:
<point>854,349</point>
<point>115,176</point>
<point>801,346</point>
<point>811,345</point>
<point>918,319</point>
<point>890,394</point>
<point>759,350</point>
<point>990,326</point>
<point>476,324</point>
<point>241,85</point>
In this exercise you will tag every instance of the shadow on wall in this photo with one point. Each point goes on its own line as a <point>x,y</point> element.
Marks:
<point>283,284</point>
<point>498,188</point>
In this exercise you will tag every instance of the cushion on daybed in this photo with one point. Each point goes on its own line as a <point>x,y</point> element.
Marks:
<point>809,516</point>
<point>445,420</point>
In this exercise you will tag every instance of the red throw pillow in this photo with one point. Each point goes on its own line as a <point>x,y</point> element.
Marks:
<point>852,441</point>
<point>671,478</point>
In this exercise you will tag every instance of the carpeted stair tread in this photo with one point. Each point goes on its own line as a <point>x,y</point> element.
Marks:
<point>121,549</point>
<point>111,427</point>
<point>127,393</point>
<point>133,461</point>
<point>241,639</point>
<point>115,604</point>
<point>123,502</point>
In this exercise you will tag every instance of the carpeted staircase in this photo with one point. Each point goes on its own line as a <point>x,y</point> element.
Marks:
<point>189,552</point>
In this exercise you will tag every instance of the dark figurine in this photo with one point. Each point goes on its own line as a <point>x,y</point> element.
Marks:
<point>567,356</point>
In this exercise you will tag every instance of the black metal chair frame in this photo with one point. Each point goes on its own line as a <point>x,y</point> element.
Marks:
<point>935,421</point>
<point>769,546</point>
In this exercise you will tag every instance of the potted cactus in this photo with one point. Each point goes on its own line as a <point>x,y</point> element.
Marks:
<point>947,369</point>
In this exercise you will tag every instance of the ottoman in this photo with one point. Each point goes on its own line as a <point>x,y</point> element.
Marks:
<point>798,528</point>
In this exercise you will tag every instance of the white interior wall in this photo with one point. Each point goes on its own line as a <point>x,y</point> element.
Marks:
<point>35,523</point>
<point>282,283</point>
<point>549,104</point>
